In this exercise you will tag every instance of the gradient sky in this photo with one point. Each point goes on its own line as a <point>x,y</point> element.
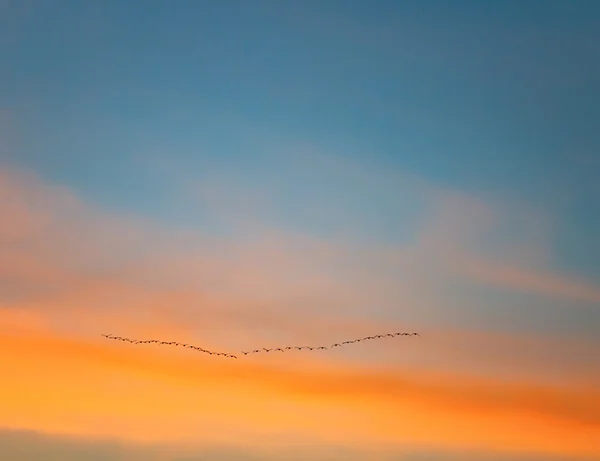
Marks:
<point>248,174</point>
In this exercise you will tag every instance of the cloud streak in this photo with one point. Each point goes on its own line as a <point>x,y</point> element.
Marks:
<point>30,446</point>
<point>71,271</point>
<point>53,381</point>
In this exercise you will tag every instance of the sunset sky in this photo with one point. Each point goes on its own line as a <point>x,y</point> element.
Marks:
<point>240,174</point>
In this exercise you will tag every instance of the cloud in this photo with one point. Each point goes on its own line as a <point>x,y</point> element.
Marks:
<point>31,446</point>
<point>71,270</point>
<point>52,239</point>
<point>89,387</point>
<point>521,279</point>
<point>66,258</point>
<point>501,246</point>
<point>495,243</point>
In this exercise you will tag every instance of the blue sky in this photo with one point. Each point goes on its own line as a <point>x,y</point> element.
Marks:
<point>496,98</point>
<point>445,153</point>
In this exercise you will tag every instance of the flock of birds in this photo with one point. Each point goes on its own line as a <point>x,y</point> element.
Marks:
<point>255,351</point>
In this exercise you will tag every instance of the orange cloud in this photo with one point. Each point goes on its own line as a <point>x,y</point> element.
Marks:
<point>90,388</point>
<point>74,271</point>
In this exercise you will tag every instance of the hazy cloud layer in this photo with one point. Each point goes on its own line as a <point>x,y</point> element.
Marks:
<point>31,446</point>
<point>72,271</point>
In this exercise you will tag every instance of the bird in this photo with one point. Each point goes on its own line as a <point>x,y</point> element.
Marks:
<point>264,349</point>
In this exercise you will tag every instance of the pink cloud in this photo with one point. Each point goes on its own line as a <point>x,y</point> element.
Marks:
<point>69,261</point>
<point>82,271</point>
<point>505,247</point>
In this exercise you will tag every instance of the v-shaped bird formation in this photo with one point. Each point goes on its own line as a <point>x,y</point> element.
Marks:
<point>256,351</point>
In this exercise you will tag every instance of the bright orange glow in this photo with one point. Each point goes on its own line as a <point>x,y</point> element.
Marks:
<point>95,388</point>
<point>71,280</point>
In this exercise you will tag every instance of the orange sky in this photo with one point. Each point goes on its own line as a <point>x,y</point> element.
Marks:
<point>249,174</point>
<point>76,271</point>
<point>93,387</point>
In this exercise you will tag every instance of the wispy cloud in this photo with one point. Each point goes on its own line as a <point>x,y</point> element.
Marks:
<point>71,271</point>
<point>62,253</point>
<point>506,247</point>
<point>93,388</point>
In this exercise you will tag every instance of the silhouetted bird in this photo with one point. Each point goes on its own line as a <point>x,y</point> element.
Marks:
<point>190,346</point>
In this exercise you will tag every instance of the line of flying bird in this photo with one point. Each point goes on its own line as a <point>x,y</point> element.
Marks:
<point>255,351</point>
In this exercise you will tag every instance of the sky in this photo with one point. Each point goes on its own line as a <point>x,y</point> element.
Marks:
<point>245,175</point>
